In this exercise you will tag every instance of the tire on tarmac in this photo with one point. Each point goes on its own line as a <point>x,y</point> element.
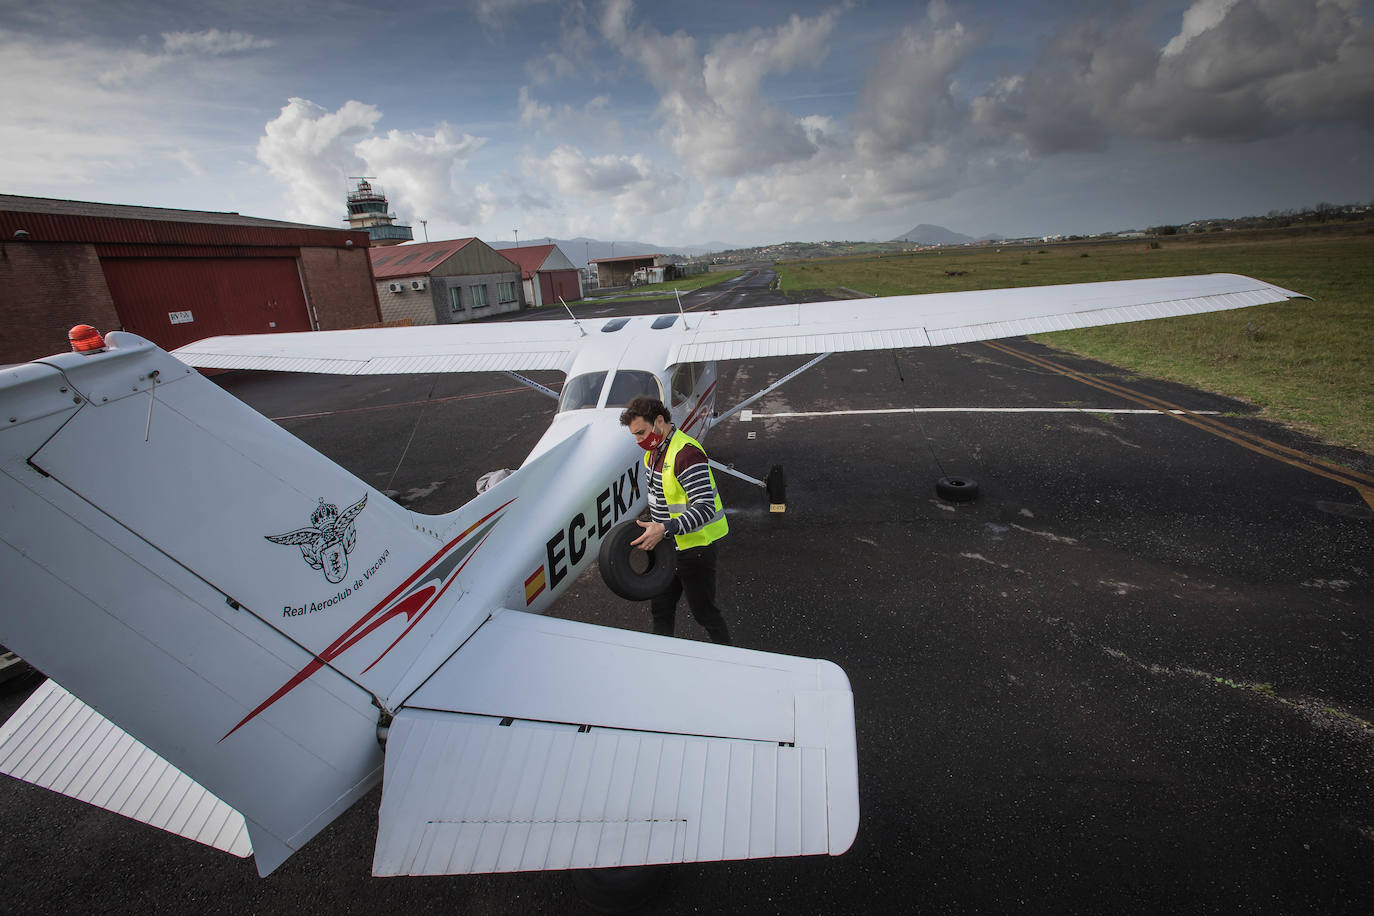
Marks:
<point>956,489</point>
<point>629,576</point>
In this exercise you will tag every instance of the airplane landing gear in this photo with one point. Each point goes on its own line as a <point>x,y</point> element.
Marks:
<point>775,486</point>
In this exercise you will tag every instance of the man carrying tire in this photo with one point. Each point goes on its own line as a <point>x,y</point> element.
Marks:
<point>684,503</point>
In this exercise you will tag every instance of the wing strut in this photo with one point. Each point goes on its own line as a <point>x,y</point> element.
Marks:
<point>531,383</point>
<point>778,384</point>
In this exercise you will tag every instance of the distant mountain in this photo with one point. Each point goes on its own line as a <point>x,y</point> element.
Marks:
<point>926,234</point>
<point>581,249</point>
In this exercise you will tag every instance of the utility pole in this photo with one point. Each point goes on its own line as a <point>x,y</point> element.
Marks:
<point>424,224</point>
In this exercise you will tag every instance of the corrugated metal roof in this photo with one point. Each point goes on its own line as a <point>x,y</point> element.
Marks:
<point>530,257</point>
<point>51,220</point>
<point>415,259</point>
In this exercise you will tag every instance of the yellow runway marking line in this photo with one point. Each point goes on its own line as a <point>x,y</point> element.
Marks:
<point>1362,483</point>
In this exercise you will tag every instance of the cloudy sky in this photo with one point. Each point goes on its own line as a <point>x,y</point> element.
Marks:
<point>687,123</point>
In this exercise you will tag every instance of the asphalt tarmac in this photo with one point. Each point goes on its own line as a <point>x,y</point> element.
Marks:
<point>1133,676</point>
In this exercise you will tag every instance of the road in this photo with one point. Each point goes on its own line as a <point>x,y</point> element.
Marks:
<point>1131,677</point>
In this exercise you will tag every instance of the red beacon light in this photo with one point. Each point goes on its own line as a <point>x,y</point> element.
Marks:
<point>85,339</point>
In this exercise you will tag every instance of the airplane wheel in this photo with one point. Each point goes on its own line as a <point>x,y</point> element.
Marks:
<point>956,489</point>
<point>775,485</point>
<point>620,890</point>
<point>634,574</point>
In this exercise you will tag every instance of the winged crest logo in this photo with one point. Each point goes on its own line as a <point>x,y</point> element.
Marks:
<point>326,544</point>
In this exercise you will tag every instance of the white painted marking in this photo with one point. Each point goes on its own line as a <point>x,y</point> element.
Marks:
<point>746,415</point>
<point>791,414</point>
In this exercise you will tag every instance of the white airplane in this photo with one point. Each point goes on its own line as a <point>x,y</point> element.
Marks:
<point>257,637</point>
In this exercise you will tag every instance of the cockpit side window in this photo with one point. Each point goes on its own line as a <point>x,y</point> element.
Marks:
<point>629,384</point>
<point>682,383</point>
<point>581,392</point>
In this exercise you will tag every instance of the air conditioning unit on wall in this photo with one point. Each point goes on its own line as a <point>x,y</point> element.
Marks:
<point>395,287</point>
<point>417,284</point>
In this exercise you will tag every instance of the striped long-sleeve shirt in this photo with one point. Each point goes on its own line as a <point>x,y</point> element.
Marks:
<point>694,474</point>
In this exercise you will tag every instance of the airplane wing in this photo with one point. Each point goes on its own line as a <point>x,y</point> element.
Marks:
<point>485,347</point>
<point>936,319</point>
<point>549,744</point>
<point>932,319</point>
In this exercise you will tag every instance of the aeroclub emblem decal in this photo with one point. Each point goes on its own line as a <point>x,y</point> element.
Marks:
<point>330,539</point>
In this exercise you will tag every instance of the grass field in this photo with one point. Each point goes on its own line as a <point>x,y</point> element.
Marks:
<point>1308,364</point>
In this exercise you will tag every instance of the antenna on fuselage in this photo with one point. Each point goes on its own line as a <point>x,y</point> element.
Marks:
<point>573,317</point>
<point>678,293</point>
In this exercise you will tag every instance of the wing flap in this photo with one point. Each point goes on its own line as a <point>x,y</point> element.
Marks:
<point>55,741</point>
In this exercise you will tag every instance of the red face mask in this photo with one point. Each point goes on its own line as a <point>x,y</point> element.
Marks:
<point>652,440</point>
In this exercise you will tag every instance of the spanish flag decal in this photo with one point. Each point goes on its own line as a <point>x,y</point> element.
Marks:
<point>534,586</point>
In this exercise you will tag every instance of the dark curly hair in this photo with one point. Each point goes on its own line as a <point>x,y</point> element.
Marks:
<point>646,409</point>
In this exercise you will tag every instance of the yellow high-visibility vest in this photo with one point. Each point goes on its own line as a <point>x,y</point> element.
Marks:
<point>675,497</point>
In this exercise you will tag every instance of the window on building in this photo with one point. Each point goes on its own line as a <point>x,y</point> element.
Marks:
<point>479,296</point>
<point>506,291</point>
<point>455,299</point>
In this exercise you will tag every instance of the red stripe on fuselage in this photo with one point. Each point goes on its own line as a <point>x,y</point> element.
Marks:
<point>362,628</point>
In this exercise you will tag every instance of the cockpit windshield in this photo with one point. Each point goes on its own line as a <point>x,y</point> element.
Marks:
<point>628,384</point>
<point>581,392</point>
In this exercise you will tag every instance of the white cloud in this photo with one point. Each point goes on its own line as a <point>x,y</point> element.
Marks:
<point>66,127</point>
<point>312,151</point>
<point>1236,71</point>
<point>500,13</point>
<point>908,97</point>
<point>419,172</point>
<point>187,160</point>
<point>617,194</point>
<point>213,42</point>
<point>1198,18</point>
<point>136,64</point>
<point>714,112</point>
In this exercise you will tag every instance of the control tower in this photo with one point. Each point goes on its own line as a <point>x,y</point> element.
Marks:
<point>367,209</point>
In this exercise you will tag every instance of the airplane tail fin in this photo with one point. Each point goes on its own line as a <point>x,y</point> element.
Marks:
<point>212,585</point>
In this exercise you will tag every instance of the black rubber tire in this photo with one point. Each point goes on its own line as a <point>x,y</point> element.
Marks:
<point>621,577</point>
<point>956,489</point>
<point>775,485</point>
<point>620,890</point>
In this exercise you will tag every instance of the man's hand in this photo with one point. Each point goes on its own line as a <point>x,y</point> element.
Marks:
<point>653,533</point>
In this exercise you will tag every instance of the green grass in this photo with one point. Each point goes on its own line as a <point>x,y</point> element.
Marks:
<point>696,281</point>
<point>1308,364</point>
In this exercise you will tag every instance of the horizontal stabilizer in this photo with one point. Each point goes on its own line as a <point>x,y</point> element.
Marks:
<point>559,781</point>
<point>485,797</point>
<point>57,742</point>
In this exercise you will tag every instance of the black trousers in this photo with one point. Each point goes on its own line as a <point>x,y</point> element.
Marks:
<point>696,578</point>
